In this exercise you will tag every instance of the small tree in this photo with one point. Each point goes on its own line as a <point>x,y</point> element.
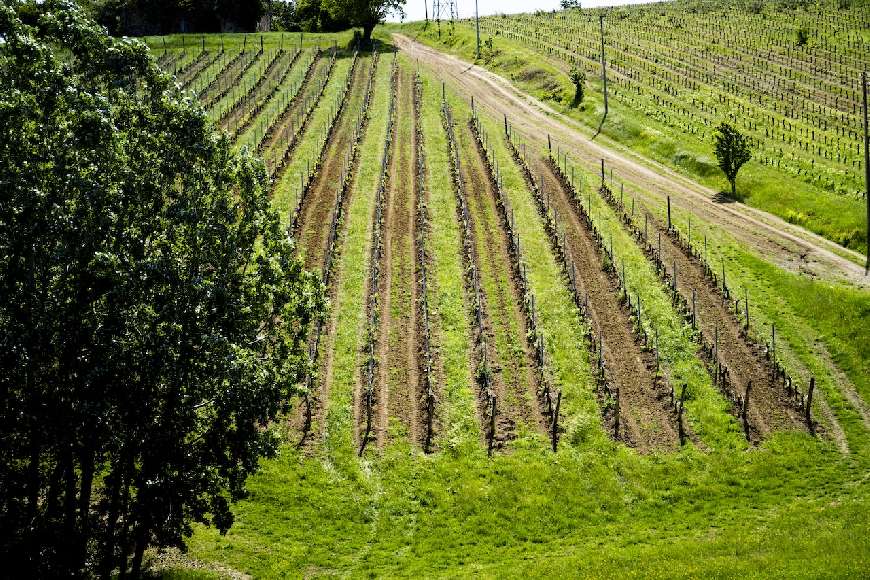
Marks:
<point>732,150</point>
<point>578,77</point>
<point>366,14</point>
<point>802,36</point>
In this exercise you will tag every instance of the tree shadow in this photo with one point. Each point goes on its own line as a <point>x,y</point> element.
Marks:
<point>724,197</point>
<point>600,125</point>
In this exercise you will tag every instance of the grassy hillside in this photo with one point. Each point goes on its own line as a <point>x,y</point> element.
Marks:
<point>786,74</point>
<point>786,504</point>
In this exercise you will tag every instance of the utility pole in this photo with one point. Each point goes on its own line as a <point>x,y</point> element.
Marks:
<point>603,63</point>
<point>426,10</point>
<point>477,28</point>
<point>866,168</point>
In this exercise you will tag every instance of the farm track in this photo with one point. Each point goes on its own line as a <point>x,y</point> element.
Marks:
<point>312,227</point>
<point>647,420</point>
<point>770,407</point>
<point>789,246</point>
<point>272,146</point>
<point>513,367</point>
<point>399,388</point>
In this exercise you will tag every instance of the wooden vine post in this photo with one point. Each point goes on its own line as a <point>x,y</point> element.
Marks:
<point>809,404</point>
<point>745,409</point>
<point>556,421</point>
<point>616,416</point>
<point>866,167</point>
<point>603,70</point>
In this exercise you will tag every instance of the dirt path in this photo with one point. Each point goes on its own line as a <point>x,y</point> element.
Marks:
<point>785,244</point>
<point>510,354</point>
<point>648,422</point>
<point>312,227</point>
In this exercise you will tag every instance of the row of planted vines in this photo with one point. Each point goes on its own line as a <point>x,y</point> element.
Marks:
<point>483,291</point>
<point>790,78</point>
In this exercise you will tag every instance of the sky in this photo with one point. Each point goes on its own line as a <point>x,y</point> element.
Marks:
<point>414,8</point>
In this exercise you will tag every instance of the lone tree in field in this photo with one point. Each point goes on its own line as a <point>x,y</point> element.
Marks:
<point>154,320</point>
<point>578,77</point>
<point>365,14</point>
<point>732,150</point>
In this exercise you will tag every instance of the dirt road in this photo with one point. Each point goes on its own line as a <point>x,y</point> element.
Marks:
<point>788,246</point>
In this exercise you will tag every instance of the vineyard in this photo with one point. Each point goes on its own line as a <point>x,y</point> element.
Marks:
<point>676,69</point>
<point>546,355</point>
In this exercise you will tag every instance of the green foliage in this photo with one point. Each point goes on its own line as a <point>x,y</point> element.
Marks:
<point>732,150</point>
<point>246,13</point>
<point>285,17</point>
<point>154,319</point>
<point>578,77</point>
<point>802,36</point>
<point>366,14</point>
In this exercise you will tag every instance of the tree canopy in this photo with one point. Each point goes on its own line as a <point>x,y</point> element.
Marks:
<point>154,319</point>
<point>365,14</point>
<point>732,150</point>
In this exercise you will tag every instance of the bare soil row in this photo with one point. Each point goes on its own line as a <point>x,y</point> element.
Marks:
<point>400,385</point>
<point>647,419</point>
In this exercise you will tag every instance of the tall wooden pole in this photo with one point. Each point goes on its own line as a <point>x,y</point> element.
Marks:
<point>866,168</point>
<point>603,63</point>
<point>477,28</point>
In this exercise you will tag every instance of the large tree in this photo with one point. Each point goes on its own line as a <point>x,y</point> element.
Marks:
<point>153,320</point>
<point>365,14</point>
<point>732,150</point>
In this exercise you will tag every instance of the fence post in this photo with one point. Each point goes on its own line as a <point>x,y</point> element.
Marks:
<point>745,409</point>
<point>809,403</point>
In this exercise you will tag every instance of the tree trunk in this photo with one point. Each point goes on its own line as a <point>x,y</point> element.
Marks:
<point>734,188</point>
<point>141,539</point>
<point>108,547</point>
<point>87,467</point>
<point>367,32</point>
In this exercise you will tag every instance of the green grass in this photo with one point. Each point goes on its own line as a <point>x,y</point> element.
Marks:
<point>707,410</point>
<point>559,319</point>
<point>459,429</point>
<point>795,509</point>
<point>311,141</point>
<point>494,280</point>
<point>810,315</point>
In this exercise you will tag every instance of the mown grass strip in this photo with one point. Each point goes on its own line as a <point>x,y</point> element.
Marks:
<point>707,410</point>
<point>456,410</point>
<point>810,316</point>
<point>308,149</point>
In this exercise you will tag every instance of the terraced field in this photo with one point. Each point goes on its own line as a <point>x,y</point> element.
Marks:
<point>546,355</point>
